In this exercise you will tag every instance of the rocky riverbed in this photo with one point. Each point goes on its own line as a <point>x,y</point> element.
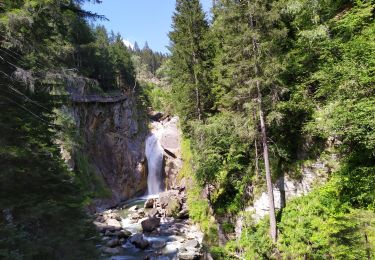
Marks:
<point>150,228</point>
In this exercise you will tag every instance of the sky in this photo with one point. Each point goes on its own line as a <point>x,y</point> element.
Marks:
<point>140,20</point>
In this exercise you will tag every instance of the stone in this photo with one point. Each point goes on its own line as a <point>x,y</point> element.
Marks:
<point>141,212</point>
<point>191,244</point>
<point>100,227</point>
<point>123,234</point>
<point>113,223</point>
<point>112,251</point>
<point>166,197</point>
<point>173,208</point>
<point>112,243</point>
<point>133,208</point>
<point>135,216</point>
<point>139,241</point>
<point>158,244</point>
<point>148,225</point>
<point>153,213</point>
<point>189,255</point>
<point>149,203</point>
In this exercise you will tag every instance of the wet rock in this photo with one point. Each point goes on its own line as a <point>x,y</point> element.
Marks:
<point>139,241</point>
<point>123,234</point>
<point>148,225</point>
<point>105,239</point>
<point>149,203</point>
<point>112,251</point>
<point>108,233</point>
<point>158,244</point>
<point>113,243</point>
<point>134,208</point>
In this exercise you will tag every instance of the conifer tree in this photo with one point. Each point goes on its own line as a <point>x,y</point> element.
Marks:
<point>249,67</point>
<point>190,63</point>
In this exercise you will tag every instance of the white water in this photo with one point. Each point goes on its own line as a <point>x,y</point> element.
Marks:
<point>154,155</point>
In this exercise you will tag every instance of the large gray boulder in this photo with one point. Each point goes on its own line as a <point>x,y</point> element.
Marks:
<point>166,196</point>
<point>139,241</point>
<point>148,225</point>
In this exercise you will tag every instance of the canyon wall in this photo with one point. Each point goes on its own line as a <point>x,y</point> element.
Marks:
<point>113,132</point>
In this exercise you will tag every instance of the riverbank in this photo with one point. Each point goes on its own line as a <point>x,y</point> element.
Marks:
<point>150,228</point>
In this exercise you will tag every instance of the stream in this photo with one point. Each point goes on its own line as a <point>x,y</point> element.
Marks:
<point>155,226</point>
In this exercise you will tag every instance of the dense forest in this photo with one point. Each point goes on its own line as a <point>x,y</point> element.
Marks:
<point>262,89</point>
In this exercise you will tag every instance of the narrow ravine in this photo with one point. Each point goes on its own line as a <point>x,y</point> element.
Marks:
<point>157,225</point>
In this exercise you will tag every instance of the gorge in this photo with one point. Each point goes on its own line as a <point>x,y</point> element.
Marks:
<point>250,136</point>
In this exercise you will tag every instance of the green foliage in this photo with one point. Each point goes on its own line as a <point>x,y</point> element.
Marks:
<point>254,242</point>
<point>190,61</point>
<point>46,47</point>
<point>314,63</point>
<point>223,157</point>
<point>319,225</point>
<point>199,210</point>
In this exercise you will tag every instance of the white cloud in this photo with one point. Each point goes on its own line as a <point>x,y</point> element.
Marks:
<point>128,44</point>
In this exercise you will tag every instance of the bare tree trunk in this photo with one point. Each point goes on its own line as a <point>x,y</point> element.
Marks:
<point>256,147</point>
<point>273,228</point>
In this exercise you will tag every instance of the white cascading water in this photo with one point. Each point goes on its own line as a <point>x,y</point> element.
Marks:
<point>154,155</point>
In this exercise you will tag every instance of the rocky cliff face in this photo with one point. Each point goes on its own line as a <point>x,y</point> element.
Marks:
<point>285,188</point>
<point>113,139</point>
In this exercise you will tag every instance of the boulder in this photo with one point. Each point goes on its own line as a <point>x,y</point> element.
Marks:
<point>123,234</point>
<point>133,208</point>
<point>173,208</point>
<point>135,216</point>
<point>148,225</point>
<point>166,197</point>
<point>189,255</point>
<point>113,224</point>
<point>112,251</point>
<point>149,203</point>
<point>100,227</point>
<point>153,213</point>
<point>191,244</point>
<point>113,243</point>
<point>139,241</point>
<point>158,244</point>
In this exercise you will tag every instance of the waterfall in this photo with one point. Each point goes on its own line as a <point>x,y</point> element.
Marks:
<point>154,155</point>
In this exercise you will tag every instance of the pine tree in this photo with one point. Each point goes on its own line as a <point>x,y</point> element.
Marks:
<point>249,67</point>
<point>190,63</point>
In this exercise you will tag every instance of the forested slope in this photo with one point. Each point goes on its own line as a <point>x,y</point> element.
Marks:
<point>46,48</point>
<point>263,88</point>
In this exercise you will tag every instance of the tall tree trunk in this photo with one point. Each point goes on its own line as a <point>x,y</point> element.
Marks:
<point>273,228</point>
<point>256,146</point>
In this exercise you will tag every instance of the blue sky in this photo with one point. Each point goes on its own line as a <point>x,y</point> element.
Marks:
<point>140,20</point>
